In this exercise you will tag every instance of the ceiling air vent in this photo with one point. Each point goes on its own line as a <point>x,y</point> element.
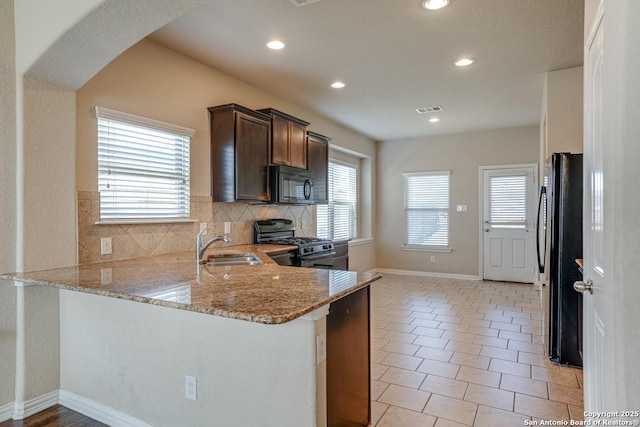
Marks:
<point>426,110</point>
<point>300,3</point>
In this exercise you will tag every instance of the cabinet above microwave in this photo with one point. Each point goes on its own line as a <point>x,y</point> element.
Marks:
<point>288,139</point>
<point>240,153</point>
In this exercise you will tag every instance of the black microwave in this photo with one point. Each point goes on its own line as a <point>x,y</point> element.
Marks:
<point>291,185</point>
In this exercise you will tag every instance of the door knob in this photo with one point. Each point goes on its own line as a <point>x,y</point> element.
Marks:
<point>583,287</point>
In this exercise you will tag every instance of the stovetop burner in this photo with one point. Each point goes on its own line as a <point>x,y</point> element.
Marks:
<point>296,241</point>
<point>282,232</point>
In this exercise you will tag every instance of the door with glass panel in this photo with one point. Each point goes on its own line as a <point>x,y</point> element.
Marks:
<point>508,226</point>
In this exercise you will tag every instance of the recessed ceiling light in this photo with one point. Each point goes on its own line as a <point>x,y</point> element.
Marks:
<point>275,45</point>
<point>435,4</point>
<point>463,62</point>
<point>434,120</point>
<point>337,85</point>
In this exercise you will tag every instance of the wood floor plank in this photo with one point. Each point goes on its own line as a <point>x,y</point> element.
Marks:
<point>56,416</point>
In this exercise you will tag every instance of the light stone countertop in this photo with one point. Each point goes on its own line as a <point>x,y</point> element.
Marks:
<point>265,293</point>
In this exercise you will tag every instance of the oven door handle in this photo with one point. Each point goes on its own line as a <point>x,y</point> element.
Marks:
<point>324,255</point>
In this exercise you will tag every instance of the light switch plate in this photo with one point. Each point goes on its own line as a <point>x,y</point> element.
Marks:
<point>461,208</point>
<point>105,246</point>
<point>227,227</point>
<point>106,276</point>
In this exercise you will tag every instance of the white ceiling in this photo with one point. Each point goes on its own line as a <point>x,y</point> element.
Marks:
<point>393,55</point>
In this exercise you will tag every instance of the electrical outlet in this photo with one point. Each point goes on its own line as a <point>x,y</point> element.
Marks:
<point>227,227</point>
<point>461,208</point>
<point>106,276</point>
<point>321,348</point>
<point>190,387</point>
<point>432,258</point>
<point>105,246</point>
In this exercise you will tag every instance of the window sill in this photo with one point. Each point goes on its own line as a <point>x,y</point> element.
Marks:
<point>427,249</point>
<point>360,241</point>
<point>146,221</point>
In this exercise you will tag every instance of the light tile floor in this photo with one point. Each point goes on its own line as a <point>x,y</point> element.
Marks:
<point>451,353</point>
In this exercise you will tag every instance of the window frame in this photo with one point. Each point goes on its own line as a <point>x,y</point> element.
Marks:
<point>330,202</point>
<point>102,113</point>
<point>427,247</point>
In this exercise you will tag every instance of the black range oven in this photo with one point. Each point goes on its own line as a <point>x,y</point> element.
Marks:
<point>311,252</point>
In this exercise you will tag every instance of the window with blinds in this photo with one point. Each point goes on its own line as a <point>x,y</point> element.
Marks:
<point>143,168</point>
<point>508,202</point>
<point>337,220</point>
<point>426,208</point>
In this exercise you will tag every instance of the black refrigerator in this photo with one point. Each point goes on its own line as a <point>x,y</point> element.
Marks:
<point>559,244</point>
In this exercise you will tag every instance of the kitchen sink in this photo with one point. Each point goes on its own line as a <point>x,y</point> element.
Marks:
<point>232,259</point>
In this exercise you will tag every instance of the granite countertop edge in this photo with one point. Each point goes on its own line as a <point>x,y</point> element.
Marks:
<point>363,280</point>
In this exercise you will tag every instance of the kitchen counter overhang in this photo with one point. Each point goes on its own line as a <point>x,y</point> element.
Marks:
<point>265,293</point>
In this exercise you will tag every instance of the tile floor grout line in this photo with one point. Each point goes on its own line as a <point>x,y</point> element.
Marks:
<point>392,308</point>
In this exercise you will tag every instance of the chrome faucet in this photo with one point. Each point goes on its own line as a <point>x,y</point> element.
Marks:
<point>200,247</point>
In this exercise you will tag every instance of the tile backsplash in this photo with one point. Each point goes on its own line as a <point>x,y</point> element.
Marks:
<point>140,240</point>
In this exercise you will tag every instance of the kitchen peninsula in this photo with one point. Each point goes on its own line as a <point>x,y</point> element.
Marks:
<point>253,337</point>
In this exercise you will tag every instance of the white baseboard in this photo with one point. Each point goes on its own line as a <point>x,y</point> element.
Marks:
<point>33,406</point>
<point>425,274</point>
<point>6,411</point>
<point>98,411</point>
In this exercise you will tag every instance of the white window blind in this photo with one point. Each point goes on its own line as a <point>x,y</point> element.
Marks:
<point>143,168</point>
<point>337,220</point>
<point>426,207</point>
<point>508,202</point>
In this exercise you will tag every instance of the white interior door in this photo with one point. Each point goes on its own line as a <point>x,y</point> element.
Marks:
<point>594,304</point>
<point>508,223</point>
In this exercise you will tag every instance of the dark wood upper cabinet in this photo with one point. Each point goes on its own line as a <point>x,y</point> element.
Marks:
<point>318,163</point>
<point>288,139</point>
<point>240,154</point>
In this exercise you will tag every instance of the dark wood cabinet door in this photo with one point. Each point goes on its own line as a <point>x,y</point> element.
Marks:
<point>348,358</point>
<point>297,145</point>
<point>280,141</point>
<point>240,154</point>
<point>252,158</point>
<point>288,139</point>
<point>318,163</point>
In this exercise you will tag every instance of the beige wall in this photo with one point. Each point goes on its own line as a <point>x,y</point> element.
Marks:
<point>133,357</point>
<point>7,342</point>
<point>8,205</point>
<point>563,111</point>
<point>42,341</point>
<point>462,154</point>
<point>49,21</point>
<point>153,81</point>
<point>48,223</point>
<point>7,137</point>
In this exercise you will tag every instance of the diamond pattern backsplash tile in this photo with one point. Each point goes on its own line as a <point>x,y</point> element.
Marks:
<point>141,240</point>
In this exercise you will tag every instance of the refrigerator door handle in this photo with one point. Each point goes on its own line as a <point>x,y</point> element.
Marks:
<point>543,193</point>
<point>583,287</point>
